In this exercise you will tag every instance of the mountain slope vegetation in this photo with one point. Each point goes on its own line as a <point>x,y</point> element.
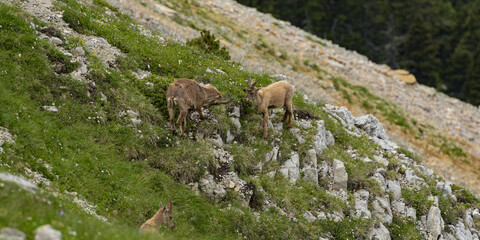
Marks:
<point>102,136</point>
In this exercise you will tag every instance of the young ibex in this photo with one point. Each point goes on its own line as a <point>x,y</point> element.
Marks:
<point>275,95</point>
<point>163,216</point>
<point>184,94</point>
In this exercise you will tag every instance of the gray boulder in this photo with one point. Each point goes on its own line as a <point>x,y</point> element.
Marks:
<point>323,138</point>
<point>382,210</point>
<point>272,155</point>
<point>379,232</point>
<point>46,232</point>
<point>462,233</point>
<point>398,207</point>
<point>468,219</point>
<point>344,115</point>
<point>5,136</point>
<point>395,189</point>
<point>12,234</point>
<point>361,204</point>
<point>297,133</point>
<point>434,224</point>
<point>340,176</point>
<point>411,213</point>
<point>18,180</point>
<point>371,126</point>
<point>290,169</point>
<point>412,177</point>
<point>214,191</point>
<point>309,217</point>
<point>310,169</point>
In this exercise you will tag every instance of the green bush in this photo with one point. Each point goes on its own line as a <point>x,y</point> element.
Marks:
<point>207,43</point>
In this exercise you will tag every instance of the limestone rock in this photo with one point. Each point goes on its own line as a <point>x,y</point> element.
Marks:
<point>435,224</point>
<point>411,213</point>
<point>382,210</point>
<point>50,108</point>
<point>404,76</point>
<point>216,140</point>
<point>79,51</point>
<point>323,138</point>
<point>20,181</point>
<point>309,216</point>
<point>468,219</point>
<point>12,234</point>
<point>361,204</point>
<point>394,188</point>
<point>398,207</point>
<point>56,41</point>
<point>46,232</point>
<point>296,132</point>
<point>340,176</point>
<point>272,155</point>
<point>214,191</point>
<point>5,136</point>
<point>371,126</point>
<point>310,169</point>
<point>461,232</point>
<point>380,232</point>
<point>290,168</point>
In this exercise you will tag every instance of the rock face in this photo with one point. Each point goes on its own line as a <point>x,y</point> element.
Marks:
<point>361,204</point>
<point>214,191</point>
<point>290,169</point>
<point>371,126</point>
<point>323,138</point>
<point>435,222</point>
<point>340,176</point>
<point>310,169</point>
<point>5,137</point>
<point>382,210</point>
<point>46,232</point>
<point>394,188</point>
<point>379,233</point>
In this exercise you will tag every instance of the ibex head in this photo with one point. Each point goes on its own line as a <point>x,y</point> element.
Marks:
<point>214,97</point>
<point>251,90</point>
<point>167,218</point>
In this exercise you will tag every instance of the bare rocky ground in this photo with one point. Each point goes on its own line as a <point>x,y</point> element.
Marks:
<point>242,29</point>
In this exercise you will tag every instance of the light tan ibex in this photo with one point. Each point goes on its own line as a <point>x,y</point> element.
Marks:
<point>275,95</point>
<point>184,94</point>
<point>163,216</point>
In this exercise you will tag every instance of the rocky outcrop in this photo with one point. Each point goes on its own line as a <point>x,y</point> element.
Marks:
<point>435,222</point>
<point>5,137</point>
<point>290,169</point>
<point>20,181</point>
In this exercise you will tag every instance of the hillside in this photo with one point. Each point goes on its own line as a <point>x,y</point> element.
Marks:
<point>86,147</point>
<point>443,131</point>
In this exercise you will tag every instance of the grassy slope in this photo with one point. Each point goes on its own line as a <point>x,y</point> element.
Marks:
<point>125,170</point>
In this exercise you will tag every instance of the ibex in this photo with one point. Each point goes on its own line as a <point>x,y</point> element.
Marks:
<point>275,95</point>
<point>184,94</point>
<point>163,216</point>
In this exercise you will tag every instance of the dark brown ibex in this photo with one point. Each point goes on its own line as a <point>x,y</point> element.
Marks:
<point>184,94</point>
<point>163,216</point>
<point>275,95</point>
